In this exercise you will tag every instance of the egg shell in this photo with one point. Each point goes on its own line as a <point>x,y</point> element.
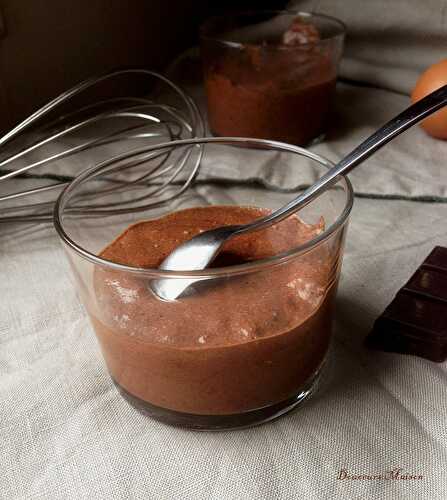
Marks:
<point>432,79</point>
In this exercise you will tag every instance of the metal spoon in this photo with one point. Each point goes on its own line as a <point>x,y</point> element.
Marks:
<point>198,252</point>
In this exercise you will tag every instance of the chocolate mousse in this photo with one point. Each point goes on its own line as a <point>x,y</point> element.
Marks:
<point>230,345</point>
<point>280,90</point>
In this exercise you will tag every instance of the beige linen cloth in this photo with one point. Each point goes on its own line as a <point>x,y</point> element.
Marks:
<point>65,433</point>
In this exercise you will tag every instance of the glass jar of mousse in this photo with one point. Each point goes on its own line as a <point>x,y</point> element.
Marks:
<point>247,340</point>
<point>271,74</point>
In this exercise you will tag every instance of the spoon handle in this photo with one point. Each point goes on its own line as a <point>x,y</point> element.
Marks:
<point>393,128</point>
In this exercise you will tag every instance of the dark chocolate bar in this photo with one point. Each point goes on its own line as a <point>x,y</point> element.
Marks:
<point>415,322</point>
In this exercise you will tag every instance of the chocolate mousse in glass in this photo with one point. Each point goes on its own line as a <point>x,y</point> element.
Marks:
<point>271,75</point>
<point>247,341</point>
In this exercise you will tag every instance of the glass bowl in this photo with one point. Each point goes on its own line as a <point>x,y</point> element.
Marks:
<point>262,81</point>
<point>247,342</point>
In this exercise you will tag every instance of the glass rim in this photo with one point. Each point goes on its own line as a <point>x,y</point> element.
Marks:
<point>216,38</point>
<point>208,273</point>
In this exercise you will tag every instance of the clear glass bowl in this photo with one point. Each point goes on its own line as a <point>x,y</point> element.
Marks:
<point>247,342</point>
<point>257,86</point>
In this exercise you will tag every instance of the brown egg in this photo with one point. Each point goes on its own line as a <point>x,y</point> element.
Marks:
<point>433,78</point>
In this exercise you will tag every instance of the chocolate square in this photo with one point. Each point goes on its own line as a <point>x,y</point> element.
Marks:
<point>415,322</point>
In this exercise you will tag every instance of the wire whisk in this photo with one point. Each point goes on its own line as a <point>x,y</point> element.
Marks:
<point>117,128</point>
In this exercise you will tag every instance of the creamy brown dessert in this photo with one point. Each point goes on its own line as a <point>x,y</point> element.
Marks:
<point>230,345</point>
<point>280,90</point>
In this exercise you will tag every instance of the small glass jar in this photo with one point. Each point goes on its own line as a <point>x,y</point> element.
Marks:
<point>271,75</point>
<point>246,342</point>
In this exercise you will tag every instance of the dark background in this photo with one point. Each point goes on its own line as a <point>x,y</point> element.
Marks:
<point>46,46</point>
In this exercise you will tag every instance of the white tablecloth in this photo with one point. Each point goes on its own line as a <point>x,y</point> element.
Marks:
<point>65,433</point>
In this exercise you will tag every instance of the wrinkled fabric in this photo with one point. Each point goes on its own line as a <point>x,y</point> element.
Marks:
<point>66,433</point>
